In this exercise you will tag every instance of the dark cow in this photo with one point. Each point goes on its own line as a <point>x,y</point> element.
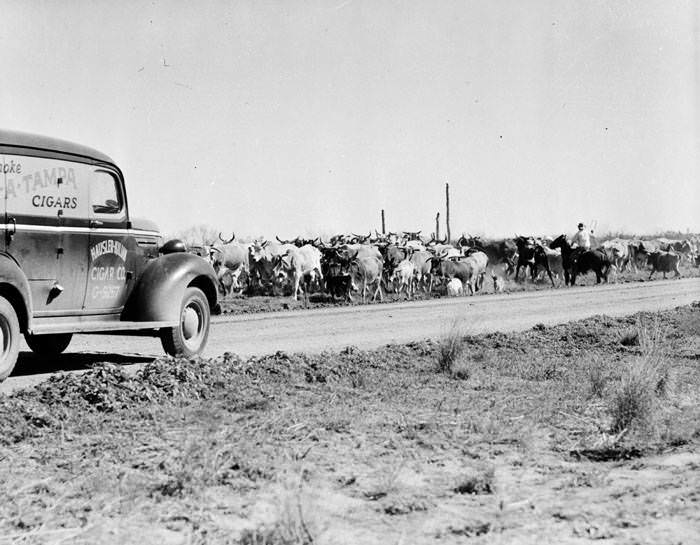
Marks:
<point>526,254</point>
<point>392,256</point>
<point>498,251</point>
<point>336,273</point>
<point>542,259</point>
<point>664,262</point>
<point>581,261</point>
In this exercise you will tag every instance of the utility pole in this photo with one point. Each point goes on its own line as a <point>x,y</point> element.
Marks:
<point>437,226</point>
<point>447,205</point>
<point>383,224</point>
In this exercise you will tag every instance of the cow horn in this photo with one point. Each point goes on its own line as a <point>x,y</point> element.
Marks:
<point>227,241</point>
<point>281,241</point>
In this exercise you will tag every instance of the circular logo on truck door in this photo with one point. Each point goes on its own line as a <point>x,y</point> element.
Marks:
<point>107,274</point>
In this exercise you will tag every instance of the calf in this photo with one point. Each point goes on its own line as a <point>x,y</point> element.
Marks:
<point>454,288</point>
<point>664,262</point>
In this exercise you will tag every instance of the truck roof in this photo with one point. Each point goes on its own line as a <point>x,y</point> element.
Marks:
<point>38,142</point>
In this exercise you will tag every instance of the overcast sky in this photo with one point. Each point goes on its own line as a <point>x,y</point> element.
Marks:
<point>296,118</point>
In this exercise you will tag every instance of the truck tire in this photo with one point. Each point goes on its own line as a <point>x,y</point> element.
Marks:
<point>48,345</point>
<point>9,338</point>
<point>189,337</point>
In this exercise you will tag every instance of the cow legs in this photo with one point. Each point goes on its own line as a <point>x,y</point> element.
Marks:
<point>378,291</point>
<point>297,285</point>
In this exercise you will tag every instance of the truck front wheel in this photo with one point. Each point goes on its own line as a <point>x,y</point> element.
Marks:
<point>189,337</point>
<point>48,345</point>
<point>9,338</point>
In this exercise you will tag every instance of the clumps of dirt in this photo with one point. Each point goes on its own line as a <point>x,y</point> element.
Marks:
<point>474,529</point>
<point>105,388</point>
<point>405,504</point>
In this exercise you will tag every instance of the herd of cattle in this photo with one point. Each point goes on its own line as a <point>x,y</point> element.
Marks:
<point>348,266</point>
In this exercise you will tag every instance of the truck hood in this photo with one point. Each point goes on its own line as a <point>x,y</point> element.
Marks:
<point>144,225</point>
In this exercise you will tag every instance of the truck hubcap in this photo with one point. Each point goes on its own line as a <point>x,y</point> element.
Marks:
<point>190,323</point>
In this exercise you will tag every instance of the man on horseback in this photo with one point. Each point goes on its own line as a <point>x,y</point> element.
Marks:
<point>582,239</point>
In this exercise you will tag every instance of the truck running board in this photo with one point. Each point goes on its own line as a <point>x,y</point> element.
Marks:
<point>73,324</point>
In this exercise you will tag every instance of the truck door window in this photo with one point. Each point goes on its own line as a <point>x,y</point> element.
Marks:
<point>105,197</point>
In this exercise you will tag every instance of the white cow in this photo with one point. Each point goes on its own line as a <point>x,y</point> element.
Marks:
<point>299,264</point>
<point>404,278</point>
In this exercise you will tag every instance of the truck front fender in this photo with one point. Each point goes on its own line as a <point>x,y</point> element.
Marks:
<point>160,288</point>
<point>14,286</point>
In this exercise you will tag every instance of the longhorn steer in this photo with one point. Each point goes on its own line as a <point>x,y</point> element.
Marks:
<point>470,270</point>
<point>618,252</point>
<point>299,264</point>
<point>421,261</point>
<point>262,257</point>
<point>229,256</point>
<point>366,272</point>
<point>403,278</point>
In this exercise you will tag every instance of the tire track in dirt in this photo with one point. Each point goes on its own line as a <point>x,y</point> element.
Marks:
<point>370,326</point>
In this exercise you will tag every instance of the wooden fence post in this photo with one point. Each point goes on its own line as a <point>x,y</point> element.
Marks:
<point>447,205</point>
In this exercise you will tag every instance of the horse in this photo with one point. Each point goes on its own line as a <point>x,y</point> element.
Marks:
<point>579,261</point>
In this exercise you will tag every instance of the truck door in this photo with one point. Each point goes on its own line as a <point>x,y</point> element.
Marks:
<point>111,255</point>
<point>3,203</point>
<point>47,229</point>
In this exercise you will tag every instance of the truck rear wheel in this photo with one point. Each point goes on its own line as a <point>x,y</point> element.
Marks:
<point>48,345</point>
<point>189,337</point>
<point>9,338</point>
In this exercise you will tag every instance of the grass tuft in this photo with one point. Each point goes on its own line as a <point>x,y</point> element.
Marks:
<point>450,348</point>
<point>481,482</point>
<point>632,404</point>
<point>598,377</point>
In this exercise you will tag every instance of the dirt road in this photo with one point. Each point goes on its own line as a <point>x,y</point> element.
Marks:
<point>375,325</point>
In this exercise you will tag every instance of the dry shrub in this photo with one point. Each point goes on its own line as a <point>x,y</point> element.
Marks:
<point>462,368</point>
<point>629,337</point>
<point>481,482</point>
<point>635,403</point>
<point>598,377</point>
<point>632,404</point>
<point>450,349</point>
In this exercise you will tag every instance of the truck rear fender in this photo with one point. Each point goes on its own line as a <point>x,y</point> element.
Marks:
<point>161,286</point>
<point>15,288</point>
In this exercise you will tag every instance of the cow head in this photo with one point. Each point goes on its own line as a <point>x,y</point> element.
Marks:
<point>233,236</point>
